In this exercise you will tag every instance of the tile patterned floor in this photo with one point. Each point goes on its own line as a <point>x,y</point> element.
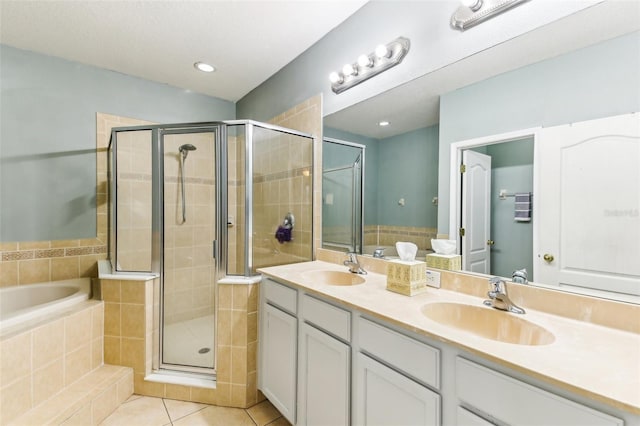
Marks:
<point>148,411</point>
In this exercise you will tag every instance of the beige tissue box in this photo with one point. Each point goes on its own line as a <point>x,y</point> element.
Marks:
<point>450,262</point>
<point>406,277</point>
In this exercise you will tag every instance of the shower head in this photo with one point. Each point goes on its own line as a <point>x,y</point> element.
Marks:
<point>184,149</point>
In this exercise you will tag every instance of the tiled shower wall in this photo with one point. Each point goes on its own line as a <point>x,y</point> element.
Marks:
<point>189,268</point>
<point>307,117</point>
<point>282,184</point>
<point>236,204</point>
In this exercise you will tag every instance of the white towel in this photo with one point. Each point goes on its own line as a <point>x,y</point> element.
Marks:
<point>522,207</point>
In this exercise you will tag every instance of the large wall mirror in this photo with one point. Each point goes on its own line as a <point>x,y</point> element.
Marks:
<point>410,189</point>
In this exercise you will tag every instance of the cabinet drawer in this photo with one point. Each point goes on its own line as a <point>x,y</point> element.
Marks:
<point>327,317</point>
<point>408,355</point>
<point>280,295</point>
<point>515,402</point>
<point>467,418</point>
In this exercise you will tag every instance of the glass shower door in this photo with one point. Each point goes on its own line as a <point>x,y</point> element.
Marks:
<point>189,266</point>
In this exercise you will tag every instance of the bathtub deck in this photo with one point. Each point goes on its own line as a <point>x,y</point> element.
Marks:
<point>88,401</point>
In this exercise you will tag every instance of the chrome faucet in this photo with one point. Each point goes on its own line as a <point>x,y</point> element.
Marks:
<point>520,276</point>
<point>498,297</point>
<point>379,253</point>
<point>353,264</point>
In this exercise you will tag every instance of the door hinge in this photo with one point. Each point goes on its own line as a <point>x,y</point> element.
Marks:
<point>214,251</point>
<point>463,168</point>
<point>462,232</point>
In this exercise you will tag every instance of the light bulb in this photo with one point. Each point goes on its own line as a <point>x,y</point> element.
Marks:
<point>382,51</point>
<point>334,78</point>
<point>365,61</point>
<point>204,67</point>
<point>348,70</point>
<point>383,123</point>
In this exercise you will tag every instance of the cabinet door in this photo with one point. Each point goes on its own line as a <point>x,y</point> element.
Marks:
<point>278,360</point>
<point>386,397</point>
<point>323,379</point>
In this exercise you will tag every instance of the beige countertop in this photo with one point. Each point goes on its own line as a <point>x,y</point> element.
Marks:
<point>597,362</point>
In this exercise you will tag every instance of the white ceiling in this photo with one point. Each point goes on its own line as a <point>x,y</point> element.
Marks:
<point>247,41</point>
<point>416,104</point>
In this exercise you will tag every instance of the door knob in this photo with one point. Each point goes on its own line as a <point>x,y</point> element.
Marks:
<point>490,242</point>
<point>548,257</point>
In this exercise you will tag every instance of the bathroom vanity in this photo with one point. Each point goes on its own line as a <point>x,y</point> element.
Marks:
<point>337,348</point>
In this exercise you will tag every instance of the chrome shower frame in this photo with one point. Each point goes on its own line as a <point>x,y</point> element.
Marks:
<point>357,235</point>
<point>220,246</point>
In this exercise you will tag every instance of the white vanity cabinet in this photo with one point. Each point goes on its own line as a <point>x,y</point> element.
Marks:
<point>327,363</point>
<point>305,357</point>
<point>324,364</point>
<point>279,347</point>
<point>503,399</point>
<point>392,372</point>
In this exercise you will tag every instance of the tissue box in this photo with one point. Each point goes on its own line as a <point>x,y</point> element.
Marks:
<point>406,277</point>
<point>450,262</point>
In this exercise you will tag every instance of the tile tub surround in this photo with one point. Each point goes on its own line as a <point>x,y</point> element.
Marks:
<point>40,361</point>
<point>607,372</point>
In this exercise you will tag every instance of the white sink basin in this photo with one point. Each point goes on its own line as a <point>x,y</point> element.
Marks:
<point>334,278</point>
<point>489,323</point>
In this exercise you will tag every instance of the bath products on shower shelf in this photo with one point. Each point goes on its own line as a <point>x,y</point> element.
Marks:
<point>283,234</point>
<point>285,231</point>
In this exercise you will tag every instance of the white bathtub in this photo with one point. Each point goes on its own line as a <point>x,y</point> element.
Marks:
<point>22,303</point>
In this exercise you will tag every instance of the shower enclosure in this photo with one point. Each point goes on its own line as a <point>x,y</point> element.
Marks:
<point>342,195</point>
<point>198,202</point>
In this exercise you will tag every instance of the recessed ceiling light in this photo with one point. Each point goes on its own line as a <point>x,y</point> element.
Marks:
<point>383,123</point>
<point>204,67</point>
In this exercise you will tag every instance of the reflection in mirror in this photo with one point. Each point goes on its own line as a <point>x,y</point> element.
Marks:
<point>498,229</point>
<point>342,192</point>
<point>489,94</point>
<point>579,229</point>
<point>400,187</point>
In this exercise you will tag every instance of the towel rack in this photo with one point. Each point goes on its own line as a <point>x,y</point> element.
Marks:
<point>503,194</point>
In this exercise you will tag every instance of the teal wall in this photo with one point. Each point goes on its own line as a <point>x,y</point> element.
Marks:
<point>598,81</point>
<point>408,168</point>
<point>48,137</point>
<point>511,169</point>
<point>402,166</point>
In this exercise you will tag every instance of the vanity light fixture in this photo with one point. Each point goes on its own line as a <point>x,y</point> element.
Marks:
<point>201,66</point>
<point>381,59</point>
<point>473,12</point>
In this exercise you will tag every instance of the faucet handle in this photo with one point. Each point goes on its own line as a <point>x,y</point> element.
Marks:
<point>496,286</point>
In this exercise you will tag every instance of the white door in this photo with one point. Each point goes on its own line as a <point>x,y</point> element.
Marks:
<point>589,205</point>
<point>323,379</point>
<point>476,212</point>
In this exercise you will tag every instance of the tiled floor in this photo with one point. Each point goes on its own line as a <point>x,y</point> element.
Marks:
<point>148,411</point>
